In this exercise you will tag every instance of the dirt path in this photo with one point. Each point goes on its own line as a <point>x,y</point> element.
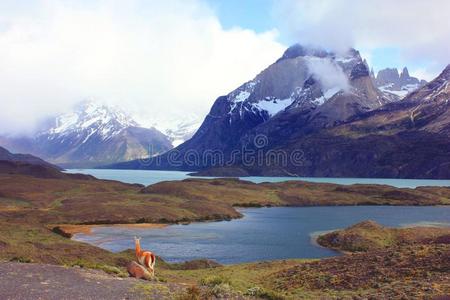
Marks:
<point>38,281</point>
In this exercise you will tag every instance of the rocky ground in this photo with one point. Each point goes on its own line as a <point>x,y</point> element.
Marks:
<point>413,272</point>
<point>41,281</point>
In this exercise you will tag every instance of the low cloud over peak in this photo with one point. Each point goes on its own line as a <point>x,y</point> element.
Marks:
<point>419,29</point>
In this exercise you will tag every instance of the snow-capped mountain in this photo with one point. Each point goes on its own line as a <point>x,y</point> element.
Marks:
<point>401,139</point>
<point>305,78</point>
<point>325,108</point>
<point>91,118</point>
<point>182,132</point>
<point>93,135</point>
<point>390,82</point>
<point>178,129</point>
<point>305,90</point>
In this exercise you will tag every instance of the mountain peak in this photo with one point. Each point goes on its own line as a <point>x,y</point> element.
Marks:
<point>93,134</point>
<point>390,82</point>
<point>93,116</point>
<point>405,73</point>
<point>298,50</point>
<point>360,70</point>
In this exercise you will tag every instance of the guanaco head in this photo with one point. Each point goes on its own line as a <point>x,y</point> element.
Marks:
<point>137,239</point>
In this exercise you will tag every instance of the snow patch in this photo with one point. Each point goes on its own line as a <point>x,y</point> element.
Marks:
<point>405,90</point>
<point>328,94</point>
<point>242,96</point>
<point>331,92</point>
<point>273,106</point>
<point>178,129</point>
<point>344,59</point>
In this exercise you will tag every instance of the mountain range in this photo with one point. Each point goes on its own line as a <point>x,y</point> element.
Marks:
<point>390,82</point>
<point>328,110</point>
<point>91,135</point>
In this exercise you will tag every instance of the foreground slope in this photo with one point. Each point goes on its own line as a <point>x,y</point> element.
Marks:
<point>33,207</point>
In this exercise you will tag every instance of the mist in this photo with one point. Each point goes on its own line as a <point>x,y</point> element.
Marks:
<point>329,74</point>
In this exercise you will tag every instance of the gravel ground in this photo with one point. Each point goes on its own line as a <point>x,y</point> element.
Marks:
<point>39,281</point>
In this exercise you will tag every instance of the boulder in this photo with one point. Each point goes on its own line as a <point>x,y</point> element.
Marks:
<point>138,271</point>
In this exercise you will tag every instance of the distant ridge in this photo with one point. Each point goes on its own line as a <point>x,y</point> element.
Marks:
<point>29,165</point>
<point>5,155</point>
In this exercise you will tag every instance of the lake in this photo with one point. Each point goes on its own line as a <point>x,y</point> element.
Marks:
<point>147,177</point>
<point>263,233</point>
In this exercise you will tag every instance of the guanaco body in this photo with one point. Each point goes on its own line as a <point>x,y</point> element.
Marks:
<point>145,258</point>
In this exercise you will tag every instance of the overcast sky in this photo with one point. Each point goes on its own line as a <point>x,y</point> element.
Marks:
<point>169,59</point>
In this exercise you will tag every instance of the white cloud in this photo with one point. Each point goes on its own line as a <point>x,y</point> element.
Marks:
<point>329,74</point>
<point>158,59</point>
<point>418,28</point>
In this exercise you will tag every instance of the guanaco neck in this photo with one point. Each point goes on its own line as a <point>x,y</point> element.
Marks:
<point>138,246</point>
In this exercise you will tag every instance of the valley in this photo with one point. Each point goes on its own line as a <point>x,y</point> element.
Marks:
<point>33,207</point>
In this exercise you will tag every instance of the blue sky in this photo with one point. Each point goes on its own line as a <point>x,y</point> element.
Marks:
<point>251,14</point>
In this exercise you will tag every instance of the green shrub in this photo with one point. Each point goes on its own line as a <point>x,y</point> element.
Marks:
<point>211,281</point>
<point>223,290</point>
<point>21,259</point>
<point>259,292</point>
<point>192,293</point>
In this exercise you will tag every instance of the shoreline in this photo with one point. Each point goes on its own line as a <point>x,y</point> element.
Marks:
<point>71,230</point>
<point>332,180</point>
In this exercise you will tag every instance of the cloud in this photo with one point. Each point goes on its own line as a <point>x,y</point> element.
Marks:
<point>418,28</point>
<point>329,74</point>
<point>155,59</point>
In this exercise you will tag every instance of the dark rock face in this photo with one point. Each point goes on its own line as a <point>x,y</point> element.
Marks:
<point>360,70</point>
<point>299,50</point>
<point>386,76</point>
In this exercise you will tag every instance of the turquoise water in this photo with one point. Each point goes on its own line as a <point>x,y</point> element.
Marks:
<point>263,234</point>
<point>147,177</point>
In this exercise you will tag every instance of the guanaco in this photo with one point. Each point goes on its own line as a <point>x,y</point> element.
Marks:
<point>145,258</point>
